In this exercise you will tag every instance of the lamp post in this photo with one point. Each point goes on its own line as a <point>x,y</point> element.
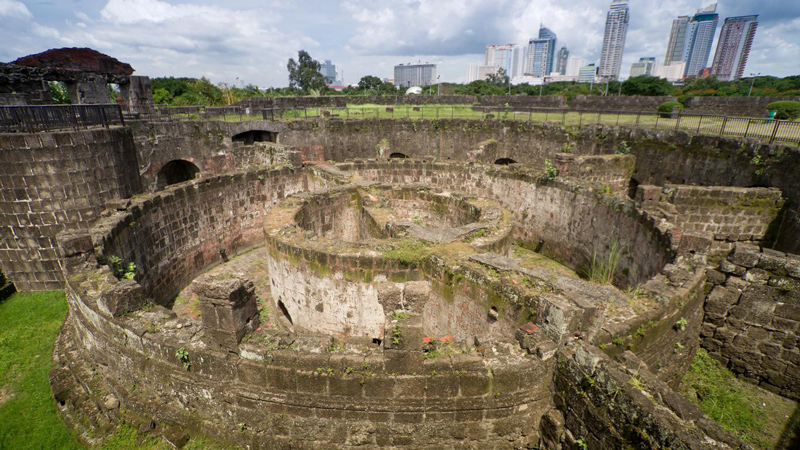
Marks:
<point>754,75</point>
<point>438,85</point>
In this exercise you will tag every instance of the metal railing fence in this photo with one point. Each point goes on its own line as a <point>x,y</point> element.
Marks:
<point>769,130</point>
<point>31,119</point>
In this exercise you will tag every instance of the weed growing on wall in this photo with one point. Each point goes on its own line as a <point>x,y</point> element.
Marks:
<point>550,170</point>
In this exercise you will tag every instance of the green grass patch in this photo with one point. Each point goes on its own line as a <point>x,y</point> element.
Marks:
<point>28,417</point>
<point>757,416</point>
<point>409,251</point>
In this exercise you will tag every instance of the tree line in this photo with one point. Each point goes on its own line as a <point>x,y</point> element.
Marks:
<point>305,79</point>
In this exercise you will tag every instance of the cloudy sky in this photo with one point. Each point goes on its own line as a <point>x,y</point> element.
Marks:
<point>250,41</point>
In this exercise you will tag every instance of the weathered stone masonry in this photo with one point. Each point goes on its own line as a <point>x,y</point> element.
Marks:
<point>752,317</point>
<point>50,182</point>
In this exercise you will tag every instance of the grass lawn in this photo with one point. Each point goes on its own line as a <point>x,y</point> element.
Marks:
<point>760,418</point>
<point>28,327</point>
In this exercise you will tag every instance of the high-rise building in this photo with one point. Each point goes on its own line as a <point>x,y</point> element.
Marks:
<point>509,57</point>
<point>645,66</point>
<point>614,39</point>
<point>541,53</point>
<point>328,70</point>
<point>699,37</point>
<point>587,74</point>
<point>733,47</point>
<point>677,39</point>
<point>477,72</point>
<point>673,71</point>
<point>561,60</point>
<point>574,64</point>
<point>407,75</point>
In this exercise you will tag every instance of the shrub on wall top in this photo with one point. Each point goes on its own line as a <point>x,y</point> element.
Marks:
<point>666,107</point>
<point>786,110</point>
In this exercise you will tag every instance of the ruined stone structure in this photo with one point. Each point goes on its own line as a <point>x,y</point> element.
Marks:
<point>85,72</point>
<point>380,283</point>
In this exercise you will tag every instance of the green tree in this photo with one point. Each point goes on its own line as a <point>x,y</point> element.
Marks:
<point>304,74</point>
<point>370,82</point>
<point>58,91</point>
<point>645,85</point>
<point>162,96</point>
<point>499,78</point>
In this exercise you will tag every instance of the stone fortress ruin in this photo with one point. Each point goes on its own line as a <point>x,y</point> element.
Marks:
<point>370,283</point>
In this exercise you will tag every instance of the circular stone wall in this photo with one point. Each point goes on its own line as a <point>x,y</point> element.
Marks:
<point>447,370</point>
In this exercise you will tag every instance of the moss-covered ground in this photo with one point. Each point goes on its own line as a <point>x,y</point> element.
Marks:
<point>28,418</point>
<point>760,418</point>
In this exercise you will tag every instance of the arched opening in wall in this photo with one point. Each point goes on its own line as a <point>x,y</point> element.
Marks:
<point>176,171</point>
<point>398,156</point>
<point>505,161</point>
<point>249,137</point>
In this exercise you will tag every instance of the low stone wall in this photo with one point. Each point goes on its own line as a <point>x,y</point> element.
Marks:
<point>177,234</point>
<point>664,332</point>
<point>608,171</point>
<point>280,398</point>
<point>524,101</point>
<point>751,317</point>
<point>51,182</point>
<point>604,404</point>
<point>340,101</point>
<point>724,215</point>
<point>618,103</point>
<point>733,106</point>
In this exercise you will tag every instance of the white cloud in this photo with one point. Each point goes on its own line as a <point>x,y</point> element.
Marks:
<point>14,9</point>
<point>253,39</point>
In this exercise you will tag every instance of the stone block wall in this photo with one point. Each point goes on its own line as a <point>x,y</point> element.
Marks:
<point>571,222</point>
<point>732,106</point>
<point>194,226</point>
<point>443,139</point>
<point>752,317</point>
<point>524,101</point>
<point>50,182</point>
<point>676,295</point>
<point>723,214</point>
<point>618,103</point>
<point>611,171</point>
<point>611,405</point>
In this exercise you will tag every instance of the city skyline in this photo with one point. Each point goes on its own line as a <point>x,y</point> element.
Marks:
<point>248,43</point>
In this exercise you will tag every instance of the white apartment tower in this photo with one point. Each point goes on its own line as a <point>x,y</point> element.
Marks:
<point>614,39</point>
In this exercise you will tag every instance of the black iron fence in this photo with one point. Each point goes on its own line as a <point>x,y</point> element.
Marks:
<point>30,119</point>
<point>769,130</point>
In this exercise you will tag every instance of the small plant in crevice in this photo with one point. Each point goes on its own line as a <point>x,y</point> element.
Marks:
<point>582,444</point>
<point>399,315</point>
<point>566,148</point>
<point>397,336</point>
<point>183,357</point>
<point>550,170</point>
<point>242,426</point>
<point>623,149</point>
<point>680,325</point>
<point>122,272</point>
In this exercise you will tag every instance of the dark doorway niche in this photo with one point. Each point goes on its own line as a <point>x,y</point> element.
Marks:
<point>249,137</point>
<point>176,171</point>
